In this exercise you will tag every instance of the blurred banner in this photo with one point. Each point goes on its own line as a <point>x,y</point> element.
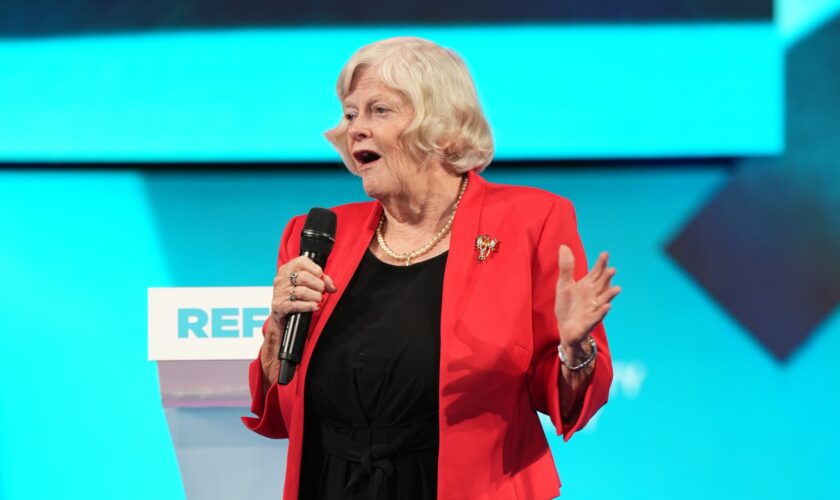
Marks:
<point>206,81</point>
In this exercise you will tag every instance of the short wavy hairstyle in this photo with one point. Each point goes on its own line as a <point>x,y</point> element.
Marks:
<point>448,120</point>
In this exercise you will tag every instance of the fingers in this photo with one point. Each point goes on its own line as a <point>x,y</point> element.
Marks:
<point>603,310</point>
<point>330,285</point>
<point>601,275</point>
<point>611,293</point>
<point>282,306</point>
<point>305,294</point>
<point>587,301</point>
<point>296,264</point>
<point>606,280</point>
<point>303,279</point>
<point>604,300</point>
<point>566,261</point>
<point>306,270</point>
<point>567,266</point>
<point>598,269</point>
<point>310,284</point>
<point>305,263</point>
<point>597,315</point>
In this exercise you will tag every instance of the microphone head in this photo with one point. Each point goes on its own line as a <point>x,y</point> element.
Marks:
<point>318,235</point>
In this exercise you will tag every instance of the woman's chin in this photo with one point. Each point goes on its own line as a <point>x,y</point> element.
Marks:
<point>371,188</point>
<point>374,183</point>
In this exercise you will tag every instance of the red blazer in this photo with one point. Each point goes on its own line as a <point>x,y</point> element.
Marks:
<point>498,343</point>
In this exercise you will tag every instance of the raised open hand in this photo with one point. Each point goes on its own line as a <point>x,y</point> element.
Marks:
<point>580,305</point>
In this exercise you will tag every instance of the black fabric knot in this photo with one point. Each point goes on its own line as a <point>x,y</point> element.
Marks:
<point>375,461</point>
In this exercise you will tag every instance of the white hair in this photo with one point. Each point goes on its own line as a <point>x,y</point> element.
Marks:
<point>448,120</point>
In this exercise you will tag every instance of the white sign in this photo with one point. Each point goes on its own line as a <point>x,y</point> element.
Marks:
<point>207,323</point>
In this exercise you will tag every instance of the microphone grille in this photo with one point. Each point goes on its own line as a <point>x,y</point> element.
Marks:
<point>318,233</point>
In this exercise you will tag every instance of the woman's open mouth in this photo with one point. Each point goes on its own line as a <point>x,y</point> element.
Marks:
<point>366,157</point>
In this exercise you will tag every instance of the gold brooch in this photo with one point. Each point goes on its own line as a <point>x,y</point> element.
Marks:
<point>485,244</point>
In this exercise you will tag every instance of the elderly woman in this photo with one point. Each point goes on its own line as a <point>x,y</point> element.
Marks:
<point>451,311</point>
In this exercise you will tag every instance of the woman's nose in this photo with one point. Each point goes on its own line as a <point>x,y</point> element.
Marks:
<point>358,130</point>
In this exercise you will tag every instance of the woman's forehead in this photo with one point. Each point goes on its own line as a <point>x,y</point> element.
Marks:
<point>370,87</point>
<point>366,81</point>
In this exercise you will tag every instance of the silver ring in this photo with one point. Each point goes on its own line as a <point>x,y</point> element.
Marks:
<point>293,276</point>
<point>292,296</point>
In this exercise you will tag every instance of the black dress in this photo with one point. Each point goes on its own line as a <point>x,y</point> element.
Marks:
<point>371,398</point>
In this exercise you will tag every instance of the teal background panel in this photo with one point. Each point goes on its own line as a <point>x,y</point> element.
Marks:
<point>698,408</point>
<point>80,413</point>
<point>550,91</point>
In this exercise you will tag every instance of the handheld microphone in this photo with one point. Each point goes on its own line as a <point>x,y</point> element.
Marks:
<point>316,242</point>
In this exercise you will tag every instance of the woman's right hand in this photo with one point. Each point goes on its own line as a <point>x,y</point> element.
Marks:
<point>312,283</point>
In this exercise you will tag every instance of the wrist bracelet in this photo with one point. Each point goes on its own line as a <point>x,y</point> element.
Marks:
<point>583,363</point>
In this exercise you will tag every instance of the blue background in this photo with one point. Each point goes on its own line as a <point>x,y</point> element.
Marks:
<point>699,408</point>
<point>234,95</point>
<point>715,416</point>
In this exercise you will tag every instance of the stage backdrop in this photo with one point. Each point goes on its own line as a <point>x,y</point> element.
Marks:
<point>699,408</point>
<point>724,340</point>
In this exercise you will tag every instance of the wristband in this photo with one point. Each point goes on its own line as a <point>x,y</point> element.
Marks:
<point>585,362</point>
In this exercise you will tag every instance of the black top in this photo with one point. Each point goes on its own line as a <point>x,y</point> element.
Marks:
<point>371,400</point>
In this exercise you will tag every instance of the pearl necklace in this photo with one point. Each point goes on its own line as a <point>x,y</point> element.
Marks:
<point>407,257</point>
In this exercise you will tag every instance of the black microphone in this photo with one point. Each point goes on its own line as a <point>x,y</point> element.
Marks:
<point>316,242</point>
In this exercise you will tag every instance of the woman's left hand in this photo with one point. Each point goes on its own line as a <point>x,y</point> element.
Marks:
<point>580,305</point>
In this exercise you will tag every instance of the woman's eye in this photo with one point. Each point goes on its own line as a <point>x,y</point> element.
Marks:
<point>380,110</point>
<point>349,116</point>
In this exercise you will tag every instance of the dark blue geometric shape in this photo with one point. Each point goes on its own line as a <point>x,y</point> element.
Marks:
<point>768,253</point>
<point>767,247</point>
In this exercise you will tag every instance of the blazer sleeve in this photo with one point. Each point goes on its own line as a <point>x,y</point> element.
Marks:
<point>269,420</point>
<point>560,227</point>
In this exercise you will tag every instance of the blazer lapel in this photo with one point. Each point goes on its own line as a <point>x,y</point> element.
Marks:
<point>350,245</point>
<point>462,261</point>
